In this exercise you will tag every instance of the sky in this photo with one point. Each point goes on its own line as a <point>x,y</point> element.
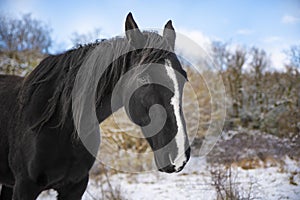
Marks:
<point>273,25</point>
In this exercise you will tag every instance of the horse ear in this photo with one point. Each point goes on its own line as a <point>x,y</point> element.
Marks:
<point>133,33</point>
<point>169,34</point>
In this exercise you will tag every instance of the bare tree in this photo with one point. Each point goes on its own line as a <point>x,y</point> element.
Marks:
<point>220,55</point>
<point>23,34</point>
<point>258,65</point>
<point>23,43</point>
<point>78,39</point>
<point>293,94</point>
<point>235,63</point>
<point>293,55</point>
<point>231,65</point>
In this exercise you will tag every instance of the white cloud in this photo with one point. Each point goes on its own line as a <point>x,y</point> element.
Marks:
<point>197,36</point>
<point>244,32</point>
<point>197,41</point>
<point>193,44</point>
<point>278,59</point>
<point>272,39</point>
<point>277,55</point>
<point>288,19</point>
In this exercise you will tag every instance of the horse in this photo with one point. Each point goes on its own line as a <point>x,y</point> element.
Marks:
<point>39,145</point>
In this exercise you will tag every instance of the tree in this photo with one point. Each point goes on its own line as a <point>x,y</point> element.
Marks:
<point>235,63</point>
<point>293,55</point>
<point>78,39</point>
<point>258,65</point>
<point>24,34</point>
<point>23,43</point>
<point>231,64</point>
<point>220,55</point>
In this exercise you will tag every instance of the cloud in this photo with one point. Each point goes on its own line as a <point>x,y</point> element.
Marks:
<point>288,19</point>
<point>197,36</point>
<point>272,39</point>
<point>271,44</point>
<point>193,44</point>
<point>244,32</point>
<point>278,59</point>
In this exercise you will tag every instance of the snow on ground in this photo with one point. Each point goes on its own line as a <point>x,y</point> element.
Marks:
<point>194,182</point>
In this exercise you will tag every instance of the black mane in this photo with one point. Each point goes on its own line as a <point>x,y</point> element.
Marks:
<point>61,70</point>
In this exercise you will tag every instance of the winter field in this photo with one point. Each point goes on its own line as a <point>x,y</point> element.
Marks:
<point>195,182</point>
<point>257,174</point>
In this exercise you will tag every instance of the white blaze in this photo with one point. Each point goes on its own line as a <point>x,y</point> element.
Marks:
<point>180,136</point>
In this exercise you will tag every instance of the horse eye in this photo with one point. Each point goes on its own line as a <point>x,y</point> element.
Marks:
<point>144,79</point>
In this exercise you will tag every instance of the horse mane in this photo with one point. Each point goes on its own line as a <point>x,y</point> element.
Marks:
<point>62,70</point>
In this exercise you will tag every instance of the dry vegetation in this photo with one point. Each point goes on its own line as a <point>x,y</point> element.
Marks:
<point>23,44</point>
<point>257,99</point>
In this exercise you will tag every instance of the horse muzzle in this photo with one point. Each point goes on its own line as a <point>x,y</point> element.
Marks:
<point>171,167</point>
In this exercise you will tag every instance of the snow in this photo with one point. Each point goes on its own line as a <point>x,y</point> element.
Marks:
<point>195,182</point>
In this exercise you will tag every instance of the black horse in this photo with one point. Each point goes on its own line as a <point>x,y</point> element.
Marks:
<point>39,149</point>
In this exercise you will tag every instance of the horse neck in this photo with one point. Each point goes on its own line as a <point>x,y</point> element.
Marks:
<point>104,107</point>
<point>104,110</point>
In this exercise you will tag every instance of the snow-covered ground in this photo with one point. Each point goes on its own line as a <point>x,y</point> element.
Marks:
<point>195,182</point>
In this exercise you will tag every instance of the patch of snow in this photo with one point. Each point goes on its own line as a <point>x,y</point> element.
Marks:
<point>194,182</point>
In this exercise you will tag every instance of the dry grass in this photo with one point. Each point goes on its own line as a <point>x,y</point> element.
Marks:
<point>227,187</point>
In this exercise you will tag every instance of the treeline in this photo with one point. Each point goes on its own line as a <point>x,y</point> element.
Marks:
<point>260,98</point>
<point>25,41</point>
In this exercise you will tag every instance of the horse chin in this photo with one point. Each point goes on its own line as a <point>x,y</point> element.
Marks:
<point>171,169</point>
<point>168,167</point>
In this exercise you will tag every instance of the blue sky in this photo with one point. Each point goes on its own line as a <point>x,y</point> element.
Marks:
<point>270,24</point>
